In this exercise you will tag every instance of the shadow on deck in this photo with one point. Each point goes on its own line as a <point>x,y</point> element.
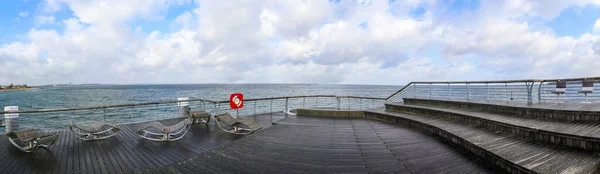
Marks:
<point>294,144</point>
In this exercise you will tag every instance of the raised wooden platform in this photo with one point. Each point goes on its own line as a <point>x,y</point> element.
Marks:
<point>509,152</point>
<point>332,145</point>
<point>516,136</point>
<point>584,135</point>
<point>572,111</point>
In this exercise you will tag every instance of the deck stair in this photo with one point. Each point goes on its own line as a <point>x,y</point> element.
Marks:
<point>519,139</point>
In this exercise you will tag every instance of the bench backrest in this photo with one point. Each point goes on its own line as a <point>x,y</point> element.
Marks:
<point>587,85</point>
<point>226,118</point>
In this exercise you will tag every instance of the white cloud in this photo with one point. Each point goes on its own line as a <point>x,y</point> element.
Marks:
<point>42,20</point>
<point>596,28</point>
<point>297,42</point>
<point>23,14</point>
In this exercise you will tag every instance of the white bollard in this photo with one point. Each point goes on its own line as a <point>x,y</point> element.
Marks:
<point>184,107</point>
<point>11,119</point>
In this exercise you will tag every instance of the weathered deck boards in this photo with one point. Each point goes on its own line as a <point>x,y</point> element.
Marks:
<point>581,129</point>
<point>294,145</point>
<point>118,154</point>
<point>325,145</point>
<point>529,154</point>
<point>546,104</point>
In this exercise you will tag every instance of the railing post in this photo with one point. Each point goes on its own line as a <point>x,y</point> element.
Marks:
<point>348,102</point>
<point>255,106</point>
<point>506,88</point>
<point>529,92</point>
<point>317,102</point>
<point>286,106</point>
<point>448,91</point>
<point>414,90</point>
<point>468,91</point>
<point>132,114</point>
<point>487,93</point>
<point>303,102</point>
<point>430,90</point>
<point>540,91</point>
<point>360,103</point>
<point>338,103</point>
<point>104,113</point>
<point>271,106</point>
<point>373,102</point>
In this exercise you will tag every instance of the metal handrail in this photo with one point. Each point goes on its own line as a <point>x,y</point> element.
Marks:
<point>528,82</point>
<point>177,101</point>
<point>138,112</point>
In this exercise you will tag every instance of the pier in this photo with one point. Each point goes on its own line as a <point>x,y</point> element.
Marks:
<point>515,126</point>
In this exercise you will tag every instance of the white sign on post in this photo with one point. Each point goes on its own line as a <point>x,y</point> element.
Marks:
<point>11,108</point>
<point>183,103</point>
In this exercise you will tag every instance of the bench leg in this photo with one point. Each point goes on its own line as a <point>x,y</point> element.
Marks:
<point>586,98</point>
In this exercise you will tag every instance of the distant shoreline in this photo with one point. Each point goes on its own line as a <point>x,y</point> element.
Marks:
<point>19,89</point>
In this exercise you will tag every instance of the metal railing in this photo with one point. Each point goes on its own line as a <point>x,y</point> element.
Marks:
<point>529,90</point>
<point>49,119</point>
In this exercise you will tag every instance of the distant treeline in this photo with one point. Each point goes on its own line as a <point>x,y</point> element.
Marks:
<point>12,86</point>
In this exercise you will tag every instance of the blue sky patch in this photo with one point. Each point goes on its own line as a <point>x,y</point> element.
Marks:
<point>575,21</point>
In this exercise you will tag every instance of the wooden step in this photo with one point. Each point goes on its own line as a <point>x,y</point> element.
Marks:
<point>551,111</point>
<point>513,153</point>
<point>571,134</point>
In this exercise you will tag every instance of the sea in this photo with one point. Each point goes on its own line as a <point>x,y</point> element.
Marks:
<point>76,96</point>
<point>100,95</point>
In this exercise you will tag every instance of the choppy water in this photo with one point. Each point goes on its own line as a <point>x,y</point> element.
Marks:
<point>86,96</point>
<point>83,96</point>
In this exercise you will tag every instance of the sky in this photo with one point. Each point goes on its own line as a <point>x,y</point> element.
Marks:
<point>387,42</point>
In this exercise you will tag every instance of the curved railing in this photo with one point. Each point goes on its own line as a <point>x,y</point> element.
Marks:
<point>140,112</point>
<point>529,90</point>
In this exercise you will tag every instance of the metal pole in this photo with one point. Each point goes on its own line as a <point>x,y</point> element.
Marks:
<point>338,103</point>
<point>430,90</point>
<point>373,102</point>
<point>506,88</point>
<point>286,105</point>
<point>43,124</point>
<point>255,107</point>
<point>529,92</point>
<point>448,91</point>
<point>468,91</point>
<point>487,93</point>
<point>414,90</point>
<point>360,103</point>
<point>303,101</point>
<point>271,105</point>
<point>104,113</point>
<point>132,114</point>
<point>540,91</point>
<point>317,102</point>
<point>348,103</point>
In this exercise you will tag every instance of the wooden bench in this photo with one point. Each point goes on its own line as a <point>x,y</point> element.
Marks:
<point>586,88</point>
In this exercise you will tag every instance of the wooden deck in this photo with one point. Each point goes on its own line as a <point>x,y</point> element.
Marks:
<point>294,145</point>
<point>325,145</point>
<point>121,153</point>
